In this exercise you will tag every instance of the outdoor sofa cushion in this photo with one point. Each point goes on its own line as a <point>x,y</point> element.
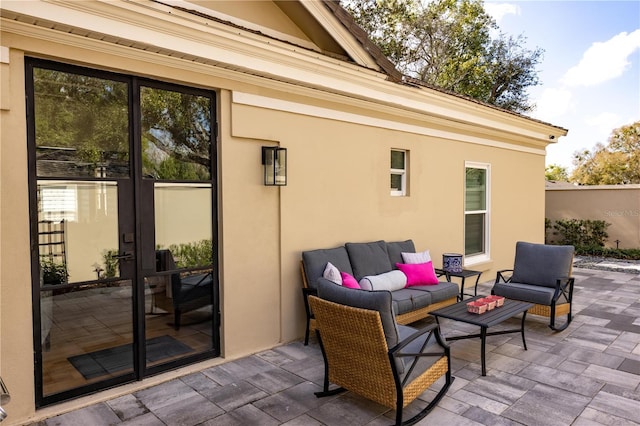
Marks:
<point>540,264</point>
<point>391,281</point>
<point>396,248</point>
<point>315,262</point>
<point>368,258</point>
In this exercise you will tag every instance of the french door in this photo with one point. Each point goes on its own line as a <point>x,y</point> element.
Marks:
<point>123,227</point>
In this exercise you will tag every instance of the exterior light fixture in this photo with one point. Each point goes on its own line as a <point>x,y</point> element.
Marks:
<point>274,160</point>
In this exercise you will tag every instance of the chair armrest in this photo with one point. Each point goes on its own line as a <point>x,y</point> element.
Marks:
<point>561,288</point>
<point>501,275</point>
<point>431,328</point>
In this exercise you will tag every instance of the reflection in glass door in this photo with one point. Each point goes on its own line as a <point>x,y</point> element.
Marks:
<point>123,228</point>
<point>177,213</point>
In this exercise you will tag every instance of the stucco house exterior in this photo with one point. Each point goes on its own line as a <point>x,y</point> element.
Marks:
<point>617,205</point>
<point>132,135</point>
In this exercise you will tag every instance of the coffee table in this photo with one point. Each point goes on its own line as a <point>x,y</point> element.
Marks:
<point>458,312</point>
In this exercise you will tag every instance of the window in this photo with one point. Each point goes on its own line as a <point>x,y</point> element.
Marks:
<point>476,212</point>
<point>398,173</point>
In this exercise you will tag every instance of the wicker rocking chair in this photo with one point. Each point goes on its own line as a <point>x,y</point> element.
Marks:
<point>366,352</point>
<point>541,275</point>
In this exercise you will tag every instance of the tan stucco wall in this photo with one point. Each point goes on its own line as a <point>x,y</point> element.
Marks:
<point>338,191</point>
<point>617,205</point>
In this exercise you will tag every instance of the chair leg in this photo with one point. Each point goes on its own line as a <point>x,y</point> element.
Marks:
<point>176,319</point>
<point>552,321</point>
<point>306,333</point>
<point>422,414</point>
<point>325,387</point>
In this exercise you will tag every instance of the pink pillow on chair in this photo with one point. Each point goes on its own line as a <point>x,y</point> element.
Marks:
<point>418,273</point>
<point>349,281</point>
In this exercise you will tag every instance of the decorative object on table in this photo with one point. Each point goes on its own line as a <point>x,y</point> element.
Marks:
<point>477,307</point>
<point>498,299</point>
<point>452,262</point>
<point>491,304</point>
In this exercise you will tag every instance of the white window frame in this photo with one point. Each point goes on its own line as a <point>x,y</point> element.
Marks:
<point>402,173</point>
<point>486,255</point>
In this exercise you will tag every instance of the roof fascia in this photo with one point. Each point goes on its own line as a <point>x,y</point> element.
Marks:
<point>343,36</point>
<point>134,23</point>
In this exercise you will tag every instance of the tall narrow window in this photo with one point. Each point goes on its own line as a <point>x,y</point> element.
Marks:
<point>476,212</point>
<point>398,173</point>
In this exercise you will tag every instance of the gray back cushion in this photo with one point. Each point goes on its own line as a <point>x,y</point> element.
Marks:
<point>396,248</point>
<point>372,300</point>
<point>368,258</point>
<point>316,260</point>
<point>541,264</point>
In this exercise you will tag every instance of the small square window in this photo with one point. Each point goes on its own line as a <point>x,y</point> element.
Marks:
<point>398,173</point>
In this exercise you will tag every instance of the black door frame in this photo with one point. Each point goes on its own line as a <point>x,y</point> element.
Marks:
<point>131,189</point>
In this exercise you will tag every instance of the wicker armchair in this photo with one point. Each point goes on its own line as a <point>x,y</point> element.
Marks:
<point>365,351</point>
<point>541,275</point>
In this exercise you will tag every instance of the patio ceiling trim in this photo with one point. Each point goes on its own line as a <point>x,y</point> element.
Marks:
<point>154,27</point>
<point>331,114</point>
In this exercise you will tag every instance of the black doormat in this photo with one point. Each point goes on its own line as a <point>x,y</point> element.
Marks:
<point>120,358</point>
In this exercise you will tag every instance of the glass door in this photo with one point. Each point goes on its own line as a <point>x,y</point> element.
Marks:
<point>123,229</point>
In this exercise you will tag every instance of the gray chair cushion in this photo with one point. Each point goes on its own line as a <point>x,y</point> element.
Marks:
<point>368,258</point>
<point>396,248</point>
<point>408,299</point>
<point>316,260</point>
<point>526,292</point>
<point>373,300</point>
<point>541,264</point>
<point>439,292</point>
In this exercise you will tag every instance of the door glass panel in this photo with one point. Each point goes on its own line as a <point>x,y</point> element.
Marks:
<point>182,287</point>
<point>81,125</point>
<point>86,309</point>
<point>176,135</point>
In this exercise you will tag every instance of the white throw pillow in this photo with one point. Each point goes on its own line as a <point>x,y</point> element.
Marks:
<point>332,274</point>
<point>422,257</point>
<point>391,281</point>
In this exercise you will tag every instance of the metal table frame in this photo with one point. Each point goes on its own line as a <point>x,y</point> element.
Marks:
<point>458,312</point>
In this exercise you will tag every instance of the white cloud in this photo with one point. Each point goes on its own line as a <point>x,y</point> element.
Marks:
<point>604,123</point>
<point>500,10</point>
<point>552,103</point>
<point>604,61</point>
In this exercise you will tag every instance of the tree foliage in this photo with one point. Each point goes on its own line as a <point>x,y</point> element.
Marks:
<point>449,44</point>
<point>555,172</point>
<point>618,162</point>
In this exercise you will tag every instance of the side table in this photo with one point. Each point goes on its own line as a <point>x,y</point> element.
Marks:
<point>464,274</point>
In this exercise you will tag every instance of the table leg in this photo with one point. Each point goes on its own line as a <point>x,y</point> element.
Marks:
<point>475,290</point>
<point>461,297</point>
<point>524,343</point>
<point>483,339</point>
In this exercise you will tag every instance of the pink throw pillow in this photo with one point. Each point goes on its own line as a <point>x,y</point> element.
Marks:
<point>418,273</point>
<point>349,281</point>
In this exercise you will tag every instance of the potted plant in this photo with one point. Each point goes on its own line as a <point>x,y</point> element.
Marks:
<point>53,272</point>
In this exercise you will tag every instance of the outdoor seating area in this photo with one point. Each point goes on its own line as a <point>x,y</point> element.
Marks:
<point>587,374</point>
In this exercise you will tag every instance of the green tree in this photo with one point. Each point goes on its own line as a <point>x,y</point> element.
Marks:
<point>618,162</point>
<point>448,44</point>
<point>556,172</point>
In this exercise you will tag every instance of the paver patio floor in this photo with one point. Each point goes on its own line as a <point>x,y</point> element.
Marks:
<point>588,374</point>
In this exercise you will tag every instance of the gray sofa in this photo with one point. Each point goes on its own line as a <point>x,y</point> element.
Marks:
<point>371,259</point>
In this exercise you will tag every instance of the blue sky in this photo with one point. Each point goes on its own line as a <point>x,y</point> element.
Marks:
<point>590,72</point>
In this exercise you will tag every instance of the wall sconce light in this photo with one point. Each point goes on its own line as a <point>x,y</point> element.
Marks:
<point>274,160</point>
